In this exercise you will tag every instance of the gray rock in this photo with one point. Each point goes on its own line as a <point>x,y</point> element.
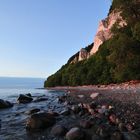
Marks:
<point>85,124</point>
<point>113,119</point>
<point>40,121</point>
<point>76,109</point>
<point>93,105</point>
<point>96,137</point>
<point>65,112</point>
<point>32,111</point>
<point>81,113</point>
<point>5,104</point>
<point>130,136</point>
<point>24,98</point>
<point>116,136</point>
<point>122,127</point>
<point>58,130</point>
<point>94,95</point>
<point>103,131</point>
<point>75,134</point>
<point>81,96</point>
<point>62,99</point>
<point>54,114</point>
<point>40,99</point>
<point>0,123</point>
<point>129,127</point>
<point>29,94</point>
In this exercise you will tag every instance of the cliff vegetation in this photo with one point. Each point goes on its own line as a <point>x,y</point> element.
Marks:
<point>117,59</point>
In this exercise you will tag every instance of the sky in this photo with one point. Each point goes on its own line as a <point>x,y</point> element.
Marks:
<point>37,37</point>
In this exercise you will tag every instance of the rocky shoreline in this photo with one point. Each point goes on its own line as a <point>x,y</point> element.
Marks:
<point>103,112</point>
<point>85,113</point>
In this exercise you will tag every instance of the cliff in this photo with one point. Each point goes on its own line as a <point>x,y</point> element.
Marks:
<point>104,30</point>
<point>83,54</point>
<point>103,34</point>
<point>114,56</point>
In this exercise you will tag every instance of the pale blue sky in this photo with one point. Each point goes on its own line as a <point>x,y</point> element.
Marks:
<point>38,36</point>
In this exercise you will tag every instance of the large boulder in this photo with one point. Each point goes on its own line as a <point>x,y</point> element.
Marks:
<point>24,98</point>
<point>75,134</point>
<point>5,104</point>
<point>29,94</point>
<point>40,121</point>
<point>58,130</point>
<point>85,124</point>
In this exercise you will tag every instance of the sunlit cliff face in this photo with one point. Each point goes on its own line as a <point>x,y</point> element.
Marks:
<point>103,34</point>
<point>104,29</point>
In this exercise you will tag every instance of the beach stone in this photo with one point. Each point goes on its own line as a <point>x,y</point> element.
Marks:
<point>55,114</point>
<point>102,110</point>
<point>58,130</point>
<point>103,131</point>
<point>0,123</point>
<point>82,112</point>
<point>91,111</point>
<point>29,94</point>
<point>75,134</point>
<point>24,98</point>
<point>66,103</point>
<point>65,112</point>
<point>32,111</point>
<point>80,96</point>
<point>129,127</point>
<point>96,137</point>
<point>5,104</point>
<point>76,109</point>
<point>40,121</point>
<point>93,105</point>
<point>80,105</point>
<point>130,136</point>
<point>85,124</point>
<point>85,105</point>
<point>40,99</point>
<point>110,107</point>
<point>122,127</point>
<point>113,118</point>
<point>94,95</point>
<point>116,136</point>
<point>62,99</point>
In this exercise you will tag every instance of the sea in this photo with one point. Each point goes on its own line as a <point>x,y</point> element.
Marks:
<point>11,87</point>
<point>13,120</point>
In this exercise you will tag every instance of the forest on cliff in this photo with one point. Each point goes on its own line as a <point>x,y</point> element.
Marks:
<point>117,60</point>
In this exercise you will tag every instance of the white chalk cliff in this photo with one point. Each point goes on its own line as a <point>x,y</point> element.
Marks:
<point>102,35</point>
<point>104,29</point>
<point>83,54</point>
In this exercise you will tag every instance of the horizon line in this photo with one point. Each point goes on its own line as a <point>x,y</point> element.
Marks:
<point>21,77</point>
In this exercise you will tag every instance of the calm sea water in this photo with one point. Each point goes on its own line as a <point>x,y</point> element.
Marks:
<point>13,120</point>
<point>10,88</point>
